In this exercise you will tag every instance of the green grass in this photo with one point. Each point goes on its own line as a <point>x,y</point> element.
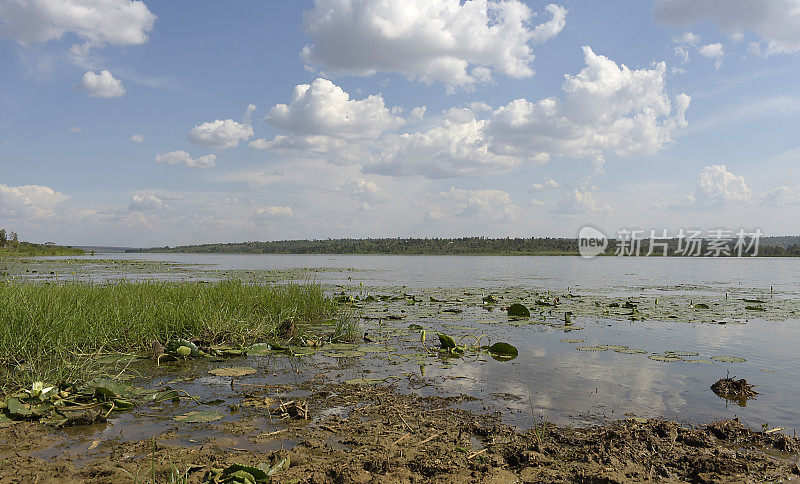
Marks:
<point>46,330</point>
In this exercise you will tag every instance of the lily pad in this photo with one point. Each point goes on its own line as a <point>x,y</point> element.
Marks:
<point>591,348</point>
<point>234,371</point>
<point>665,358</point>
<point>572,341</point>
<point>630,351</point>
<point>519,311</point>
<point>199,417</point>
<point>503,350</point>
<point>681,353</point>
<point>701,306</point>
<point>728,359</point>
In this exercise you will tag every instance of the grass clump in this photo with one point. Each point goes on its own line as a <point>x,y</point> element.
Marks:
<point>47,330</point>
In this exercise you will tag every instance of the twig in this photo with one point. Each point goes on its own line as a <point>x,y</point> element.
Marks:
<point>404,421</point>
<point>401,438</point>
<point>275,432</point>
<point>476,453</point>
<point>776,429</point>
<point>430,438</point>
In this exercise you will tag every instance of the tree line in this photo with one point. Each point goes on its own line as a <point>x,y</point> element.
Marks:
<point>768,246</point>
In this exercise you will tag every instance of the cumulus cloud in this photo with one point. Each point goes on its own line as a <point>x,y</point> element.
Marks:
<point>458,43</point>
<point>95,22</point>
<point>451,149</point>
<point>782,196</point>
<point>776,22</point>
<point>487,204</point>
<point>137,138</point>
<point>29,201</point>
<point>102,85</point>
<point>718,186</point>
<point>551,183</point>
<point>713,51</point>
<point>146,202</point>
<point>220,134</point>
<point>606,107</point>
<point>367,192</point>
<point>323,108</point>
<point>275,212</point>
<point>183,158</point>
<point>579,201</point>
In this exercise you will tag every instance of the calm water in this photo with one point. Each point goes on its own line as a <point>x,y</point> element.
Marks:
<point>567,385</point>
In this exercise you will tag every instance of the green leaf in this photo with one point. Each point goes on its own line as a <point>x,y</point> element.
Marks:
<point>18,409</point>
<point>503,350</point>
<point>519,311</point>
<point>244,474</point>
<point>446,341</point>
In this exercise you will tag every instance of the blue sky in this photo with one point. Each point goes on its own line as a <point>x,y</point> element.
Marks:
<point>151,123</point>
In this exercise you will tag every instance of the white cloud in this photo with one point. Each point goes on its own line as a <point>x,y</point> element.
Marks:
<point>220,134</point>
<point>486,204</point>
<point>782,196</point>
<point>429,40</point>
<point>275,212</point>
<point>717,186</point>
<point>546,31</point>
<point>689,38</point>
<point>367,192</point>
<point>95,22</point>
<point>713,51</point>
<point>605,107</point>
<point>29,201</point>
<point>146,202</point>
<point>536,203</point>
<point>75,129</point>
<point>325,109</point>
<point>777,22</point>
<point>448,150</point>
<point>101,85</point>
<point>681,52</point>
<point>184,158</point>
<point>137,138</point>
<point>579,201</point>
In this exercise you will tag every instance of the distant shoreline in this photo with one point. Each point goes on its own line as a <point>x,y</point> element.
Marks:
<point>474,246</point>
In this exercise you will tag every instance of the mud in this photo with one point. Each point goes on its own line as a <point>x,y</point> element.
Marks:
<point>366,433</point>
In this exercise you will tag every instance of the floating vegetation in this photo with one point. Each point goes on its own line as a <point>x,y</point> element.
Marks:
<point>572,341</point>
<point>503,351</point>
<point>701,306</point>
<point>235,371</point>
<point>665,358</point>
<point>591,348</point>
<point>519,311</point>
<point>629,351</point>
<point>729,359</point>
<point>681,353</point>
<point>62,406</point>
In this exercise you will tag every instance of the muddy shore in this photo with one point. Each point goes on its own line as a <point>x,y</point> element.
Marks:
<point>364,433</point>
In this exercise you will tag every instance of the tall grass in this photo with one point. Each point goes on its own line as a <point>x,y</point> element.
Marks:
<point>44,329</point>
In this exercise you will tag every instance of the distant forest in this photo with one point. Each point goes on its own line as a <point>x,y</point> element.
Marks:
<point>11,246</point>
<point>768,246</point>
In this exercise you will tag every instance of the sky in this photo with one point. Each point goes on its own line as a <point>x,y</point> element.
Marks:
<point>151,123</point>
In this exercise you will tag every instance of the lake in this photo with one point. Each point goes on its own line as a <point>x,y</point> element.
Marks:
<point>551,378</point>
